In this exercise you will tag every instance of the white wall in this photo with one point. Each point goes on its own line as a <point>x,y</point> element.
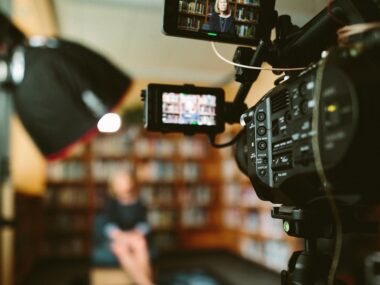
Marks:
<point>129,33</point>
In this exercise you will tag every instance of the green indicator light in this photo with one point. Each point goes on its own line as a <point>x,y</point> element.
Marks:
<point>286,226</point>
<point>212,34</point>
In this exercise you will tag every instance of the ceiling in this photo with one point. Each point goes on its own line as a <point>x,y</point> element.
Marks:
<point>129,33</point>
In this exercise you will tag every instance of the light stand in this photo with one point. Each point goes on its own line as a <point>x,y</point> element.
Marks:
<point>60,90</point>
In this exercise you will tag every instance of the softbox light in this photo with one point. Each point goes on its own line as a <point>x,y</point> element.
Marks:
<point>65,90</point>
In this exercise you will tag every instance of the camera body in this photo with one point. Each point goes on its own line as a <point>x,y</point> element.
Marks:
<point>333,103</point>
<point>318,122</point>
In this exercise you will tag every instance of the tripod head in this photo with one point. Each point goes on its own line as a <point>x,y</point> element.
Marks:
<point>311,266</point>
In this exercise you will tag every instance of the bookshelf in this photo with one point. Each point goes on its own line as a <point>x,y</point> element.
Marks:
<point>193,14</point>
<point>195,194</point>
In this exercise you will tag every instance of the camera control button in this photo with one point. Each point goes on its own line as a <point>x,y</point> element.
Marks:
<point>261,116</point>
<point>262,172</point>
<point>262,145</point>
<point>261,131</point>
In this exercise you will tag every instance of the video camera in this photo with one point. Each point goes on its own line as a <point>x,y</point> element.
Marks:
<point>308,140</point>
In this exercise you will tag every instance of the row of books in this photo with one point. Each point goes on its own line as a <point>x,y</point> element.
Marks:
<point>189,23</point>
<point>255,222</point>
<point>72,170</point>
<point>152,196</point>
<point>124,145</point>
<point>248,31</point>
<point>195,7</point>
<point>158,196</point>
<point>272,253</point>
<point>230,169</point>
<point>161,218</point>
<point>194,217</point>
<point>164,171</point>
<point>68,247</point>
<point>185,147</point>
<point>114,145</point>
<point>66,223</point>
<point>188,217</point>
<point>246,14</point>
<point>242,195</point>
<point>252,2</point>
<point>70,197</point>
<point>102,170</point>
<point>200,195</point>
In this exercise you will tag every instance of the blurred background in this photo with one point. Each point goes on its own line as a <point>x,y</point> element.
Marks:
<point>203,212</point>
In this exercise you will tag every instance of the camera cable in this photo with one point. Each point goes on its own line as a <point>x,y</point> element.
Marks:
<point>252,67</point>
<point>322,175</point>
<point>231,142</point>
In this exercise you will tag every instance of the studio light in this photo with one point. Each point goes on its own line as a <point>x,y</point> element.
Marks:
<point>61,88</point>
<point>109,123</point>
<point>66,90</point>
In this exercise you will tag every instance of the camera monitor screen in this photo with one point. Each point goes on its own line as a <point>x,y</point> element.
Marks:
<point>188,109</point>
<point>233,21</point>
<point>184,108</point>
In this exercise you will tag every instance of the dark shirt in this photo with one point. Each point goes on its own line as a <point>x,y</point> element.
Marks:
<point>125,217</point>
<point>221,24</point>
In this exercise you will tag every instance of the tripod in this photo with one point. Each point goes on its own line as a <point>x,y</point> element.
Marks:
<point>311,267</point>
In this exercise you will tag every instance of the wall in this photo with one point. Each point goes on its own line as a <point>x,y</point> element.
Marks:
<point>27,164</point>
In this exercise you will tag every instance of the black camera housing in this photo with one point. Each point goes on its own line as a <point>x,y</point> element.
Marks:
<point>280,157</point>
<point>155,114</point>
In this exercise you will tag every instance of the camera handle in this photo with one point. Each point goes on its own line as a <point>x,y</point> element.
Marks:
<point>246,77</point>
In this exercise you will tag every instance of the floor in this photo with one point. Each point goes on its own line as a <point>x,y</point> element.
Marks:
<point>224,267</point>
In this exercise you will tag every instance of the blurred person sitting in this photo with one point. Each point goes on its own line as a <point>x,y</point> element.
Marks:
<point>122,225</point>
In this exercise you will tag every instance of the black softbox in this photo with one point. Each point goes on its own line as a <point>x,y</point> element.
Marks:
<point>66,89</point>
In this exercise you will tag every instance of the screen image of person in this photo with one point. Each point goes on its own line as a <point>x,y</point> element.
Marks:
<point>221,19</point>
